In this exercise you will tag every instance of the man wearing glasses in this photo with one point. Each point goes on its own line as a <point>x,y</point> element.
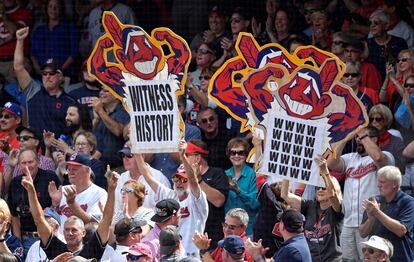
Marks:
<point>377,249</point>
<point>360,171</point>
<point>47,103</point>
<point>235,224</point>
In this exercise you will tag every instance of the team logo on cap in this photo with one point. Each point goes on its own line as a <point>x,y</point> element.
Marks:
<point>73,157</point>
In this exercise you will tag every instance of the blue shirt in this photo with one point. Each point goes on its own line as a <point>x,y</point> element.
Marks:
<point>15,246</point>
<point>401,208</point>
<point>246,199</point>
<point>60,43</point>
<point>295,249</point>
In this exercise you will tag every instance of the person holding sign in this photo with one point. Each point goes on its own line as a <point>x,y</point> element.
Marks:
<point>360,170</point>
<point>323,216</point>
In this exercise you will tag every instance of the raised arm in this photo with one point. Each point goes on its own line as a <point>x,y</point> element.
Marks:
<point>43,228</point>
<point>108,213</point>
<point>380,159</point>
<point>334,162</point>
<point>332,186</point>
<point>23,76</point>
<point>143,170</point>
<point>293,200</point>
<point>192,171</point>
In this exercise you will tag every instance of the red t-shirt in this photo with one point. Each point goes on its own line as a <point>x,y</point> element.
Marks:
<point>21,17</point>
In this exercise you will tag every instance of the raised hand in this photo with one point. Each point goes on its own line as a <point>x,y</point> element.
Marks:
<point>181,147</point>
<point>201,241</point>
<point>70,194</point>
<point>47,138</point>
<point>13,158</point>
<point>233,185</point>
<point>371,206</point>
<point>27,180</point>
<point>54,193</point>
<point>256,250</point>
<point>64,257</point>
<point>209,36</point>
<point>22,33</point>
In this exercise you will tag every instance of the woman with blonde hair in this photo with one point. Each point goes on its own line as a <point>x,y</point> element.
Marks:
<point>9,243</point>
<point>392,89</point>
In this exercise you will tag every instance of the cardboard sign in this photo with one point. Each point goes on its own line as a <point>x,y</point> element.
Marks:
<point>303,90</point>
<point>132,65</point>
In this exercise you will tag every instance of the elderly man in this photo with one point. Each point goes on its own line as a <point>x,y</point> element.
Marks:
<point>377,249</point>
<point>193,201</point>
<point>214,183</point>
<point>74,229</point>
<point>360,170</point>
<point>82,198</point>
<point>235,223</point>
<point>390,214</point>
<point>22,217</point>
<point>47,103</point>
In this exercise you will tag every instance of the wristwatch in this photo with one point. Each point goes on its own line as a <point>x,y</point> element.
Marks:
<point>203,251</point>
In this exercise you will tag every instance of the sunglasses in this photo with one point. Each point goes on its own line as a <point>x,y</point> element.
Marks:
<point>204,51</point>
<point>377,119</point>
<point>25,138</point>
<point>208,120</point>
<point>402,60</point>
<point>204,77</point>
<point>133,258</point>
<point>179,179</point>
<point>237,153</point>
<point>6,116</point>
<point>370,250</point>
<point>353,75</point>
<point>409,85</point>
<point>235,20</point>
<point>50,73</point>
<point>127,155</point>
<point>127,190</point>
<point>231,227</point>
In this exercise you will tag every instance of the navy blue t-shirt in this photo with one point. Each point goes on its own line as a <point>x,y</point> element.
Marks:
<point>295,249</point>
<point>46,112</point>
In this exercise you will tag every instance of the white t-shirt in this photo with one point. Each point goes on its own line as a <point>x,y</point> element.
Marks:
<point>194,213</point>
<point>149,201</point>
<point>88,200</point>
<point>360,184</point>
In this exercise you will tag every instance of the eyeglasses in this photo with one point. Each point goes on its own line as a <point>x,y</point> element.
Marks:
<point>25,138</point>
<point>338,42</point>
<point>134,258</point>
<point>51,73</point>
<point>208,120</point>
<point>180,179</point>
<point>370,250</point>
<point>204,51</point>
<point>204,77</point>
<point>231,227</point>
<point>82,144</point>
<point>237,153</point>
<point>127,155</point>
<point>409,85</point>
<point>353,75</point>
<point>236,20</point>
<point>402,60</point>
<point>377,119</point>
<point>6,116</point>
<point>127,190</point>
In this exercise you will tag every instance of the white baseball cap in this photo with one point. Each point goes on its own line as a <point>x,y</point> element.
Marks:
<point>381,244</point>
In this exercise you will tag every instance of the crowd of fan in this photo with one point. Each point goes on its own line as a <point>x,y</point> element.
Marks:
<point>72,189</point>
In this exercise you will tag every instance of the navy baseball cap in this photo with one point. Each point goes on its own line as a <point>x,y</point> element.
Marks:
<point>78,159</point>
<point>12,108</point>
<point>52,64</point>
<point>233,245</point>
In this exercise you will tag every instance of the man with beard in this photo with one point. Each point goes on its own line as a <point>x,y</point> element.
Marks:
<point>193,201</point>
<point>84,91</point>
<point>360,170</point>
